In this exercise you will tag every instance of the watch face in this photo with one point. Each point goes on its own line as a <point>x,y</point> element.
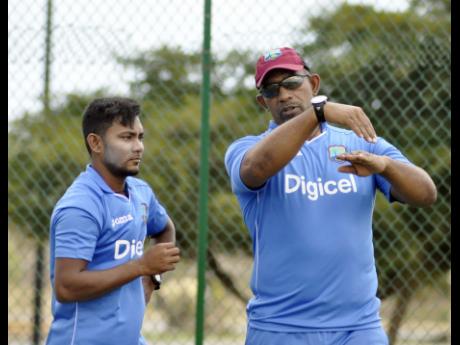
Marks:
<point>319,99</point>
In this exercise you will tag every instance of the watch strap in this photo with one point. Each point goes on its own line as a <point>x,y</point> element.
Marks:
<point>156,280</point>
<point>319,111</point>
<point>318,103</point>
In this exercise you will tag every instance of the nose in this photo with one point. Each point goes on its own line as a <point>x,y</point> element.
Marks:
<point>138,146</point>
<point>284,94</point>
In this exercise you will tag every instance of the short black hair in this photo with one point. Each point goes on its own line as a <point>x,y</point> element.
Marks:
<point>100,114</point>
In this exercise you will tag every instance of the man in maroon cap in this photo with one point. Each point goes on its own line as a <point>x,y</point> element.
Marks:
<point>307,191</point>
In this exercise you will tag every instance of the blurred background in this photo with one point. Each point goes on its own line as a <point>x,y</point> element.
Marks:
<point>392,58</point>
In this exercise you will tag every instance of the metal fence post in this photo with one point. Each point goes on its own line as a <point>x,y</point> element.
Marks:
<point>204,174</point>
<point>40,247</point>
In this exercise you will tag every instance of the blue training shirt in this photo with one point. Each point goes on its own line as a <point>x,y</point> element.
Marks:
<point>93,223</point>
<point>311,228</point>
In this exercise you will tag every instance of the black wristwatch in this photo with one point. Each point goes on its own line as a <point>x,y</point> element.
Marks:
<point>318,103</point>
<point>156,279</point>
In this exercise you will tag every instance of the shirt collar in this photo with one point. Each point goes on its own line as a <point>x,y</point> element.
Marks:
<point>272,125</point>
<point>96,177</point>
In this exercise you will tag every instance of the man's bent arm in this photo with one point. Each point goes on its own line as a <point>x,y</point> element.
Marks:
<point>277,149</point>
<point>410,183</point>
<point>168,234</point>
<point>73,282</point>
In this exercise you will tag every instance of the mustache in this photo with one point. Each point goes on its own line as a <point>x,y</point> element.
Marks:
<point>286,106</point>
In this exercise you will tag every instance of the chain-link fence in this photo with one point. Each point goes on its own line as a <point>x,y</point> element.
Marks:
<point>390,57</point>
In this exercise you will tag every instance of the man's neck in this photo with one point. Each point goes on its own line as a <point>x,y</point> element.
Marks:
<point>316,132</point>
<point>117,184</point>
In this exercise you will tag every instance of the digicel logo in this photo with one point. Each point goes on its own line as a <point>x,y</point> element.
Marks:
<point>124,248</point>
<point>294,183</point>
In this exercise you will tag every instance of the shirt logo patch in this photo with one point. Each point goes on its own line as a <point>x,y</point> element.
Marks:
<point>145,209</point>
<point>272,55</point>
<point>122,220</point>
<point>335,150</point>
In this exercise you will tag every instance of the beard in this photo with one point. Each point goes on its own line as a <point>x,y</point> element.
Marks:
<point>120,171</point>
<point>288,112</point>
<point>284,118</point>
<point>117,169</point>
<point>113,161</point>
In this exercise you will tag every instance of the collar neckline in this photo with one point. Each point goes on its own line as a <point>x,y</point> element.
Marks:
<point>94,174</point>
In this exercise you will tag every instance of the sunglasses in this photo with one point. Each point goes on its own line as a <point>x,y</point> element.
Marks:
<point>290,83</point>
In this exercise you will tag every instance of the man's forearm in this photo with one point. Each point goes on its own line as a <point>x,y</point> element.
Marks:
<point>410,184</point>
<point>86,284</point>
<point>277,149</point>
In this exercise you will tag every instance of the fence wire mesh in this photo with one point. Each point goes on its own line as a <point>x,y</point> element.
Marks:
<point>390,57</point>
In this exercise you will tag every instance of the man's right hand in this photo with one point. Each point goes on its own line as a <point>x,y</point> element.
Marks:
<point>160,258</point>
<point>74,282</point>
<point>351,117</point>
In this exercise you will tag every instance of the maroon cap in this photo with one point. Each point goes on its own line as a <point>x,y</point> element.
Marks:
<point>284,58</point>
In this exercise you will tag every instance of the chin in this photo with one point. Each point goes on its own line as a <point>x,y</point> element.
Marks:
<point>284,118</point>
<point>132,172</point>
<point>125,172</point>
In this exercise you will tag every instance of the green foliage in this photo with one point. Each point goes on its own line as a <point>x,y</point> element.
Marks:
<point>167,75</point>
<point>171,166</point>
<point>396,65</point>
<point>46,152</point>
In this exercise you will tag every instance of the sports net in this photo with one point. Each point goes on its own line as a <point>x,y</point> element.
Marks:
<point>390,57</point>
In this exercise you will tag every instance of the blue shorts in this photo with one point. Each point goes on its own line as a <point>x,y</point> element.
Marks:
<point>371,336</point>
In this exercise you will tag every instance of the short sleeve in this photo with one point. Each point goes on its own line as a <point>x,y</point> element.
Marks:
<point>384,148</point>
<point>233,158</point>
<point>158,216</point>
<point>76,233</point>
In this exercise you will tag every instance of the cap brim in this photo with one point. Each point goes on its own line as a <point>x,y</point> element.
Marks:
<point>290,67</point>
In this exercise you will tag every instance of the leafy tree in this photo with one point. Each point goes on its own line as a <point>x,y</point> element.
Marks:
<point>396,65</point>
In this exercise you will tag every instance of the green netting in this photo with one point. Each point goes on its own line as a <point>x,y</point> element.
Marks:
<point>392,58</point>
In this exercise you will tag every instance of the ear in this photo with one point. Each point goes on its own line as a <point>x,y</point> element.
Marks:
<point>95,142</point>
<point>315,82</point>
<point>260,99</point>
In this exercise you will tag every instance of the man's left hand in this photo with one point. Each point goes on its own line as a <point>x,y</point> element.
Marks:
<point>363,163</point>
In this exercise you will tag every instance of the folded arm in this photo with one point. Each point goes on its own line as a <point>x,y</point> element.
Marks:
<point>73,282</point>
<point>409,183</point>
<point>277,149</point>
<point>167,235</point>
